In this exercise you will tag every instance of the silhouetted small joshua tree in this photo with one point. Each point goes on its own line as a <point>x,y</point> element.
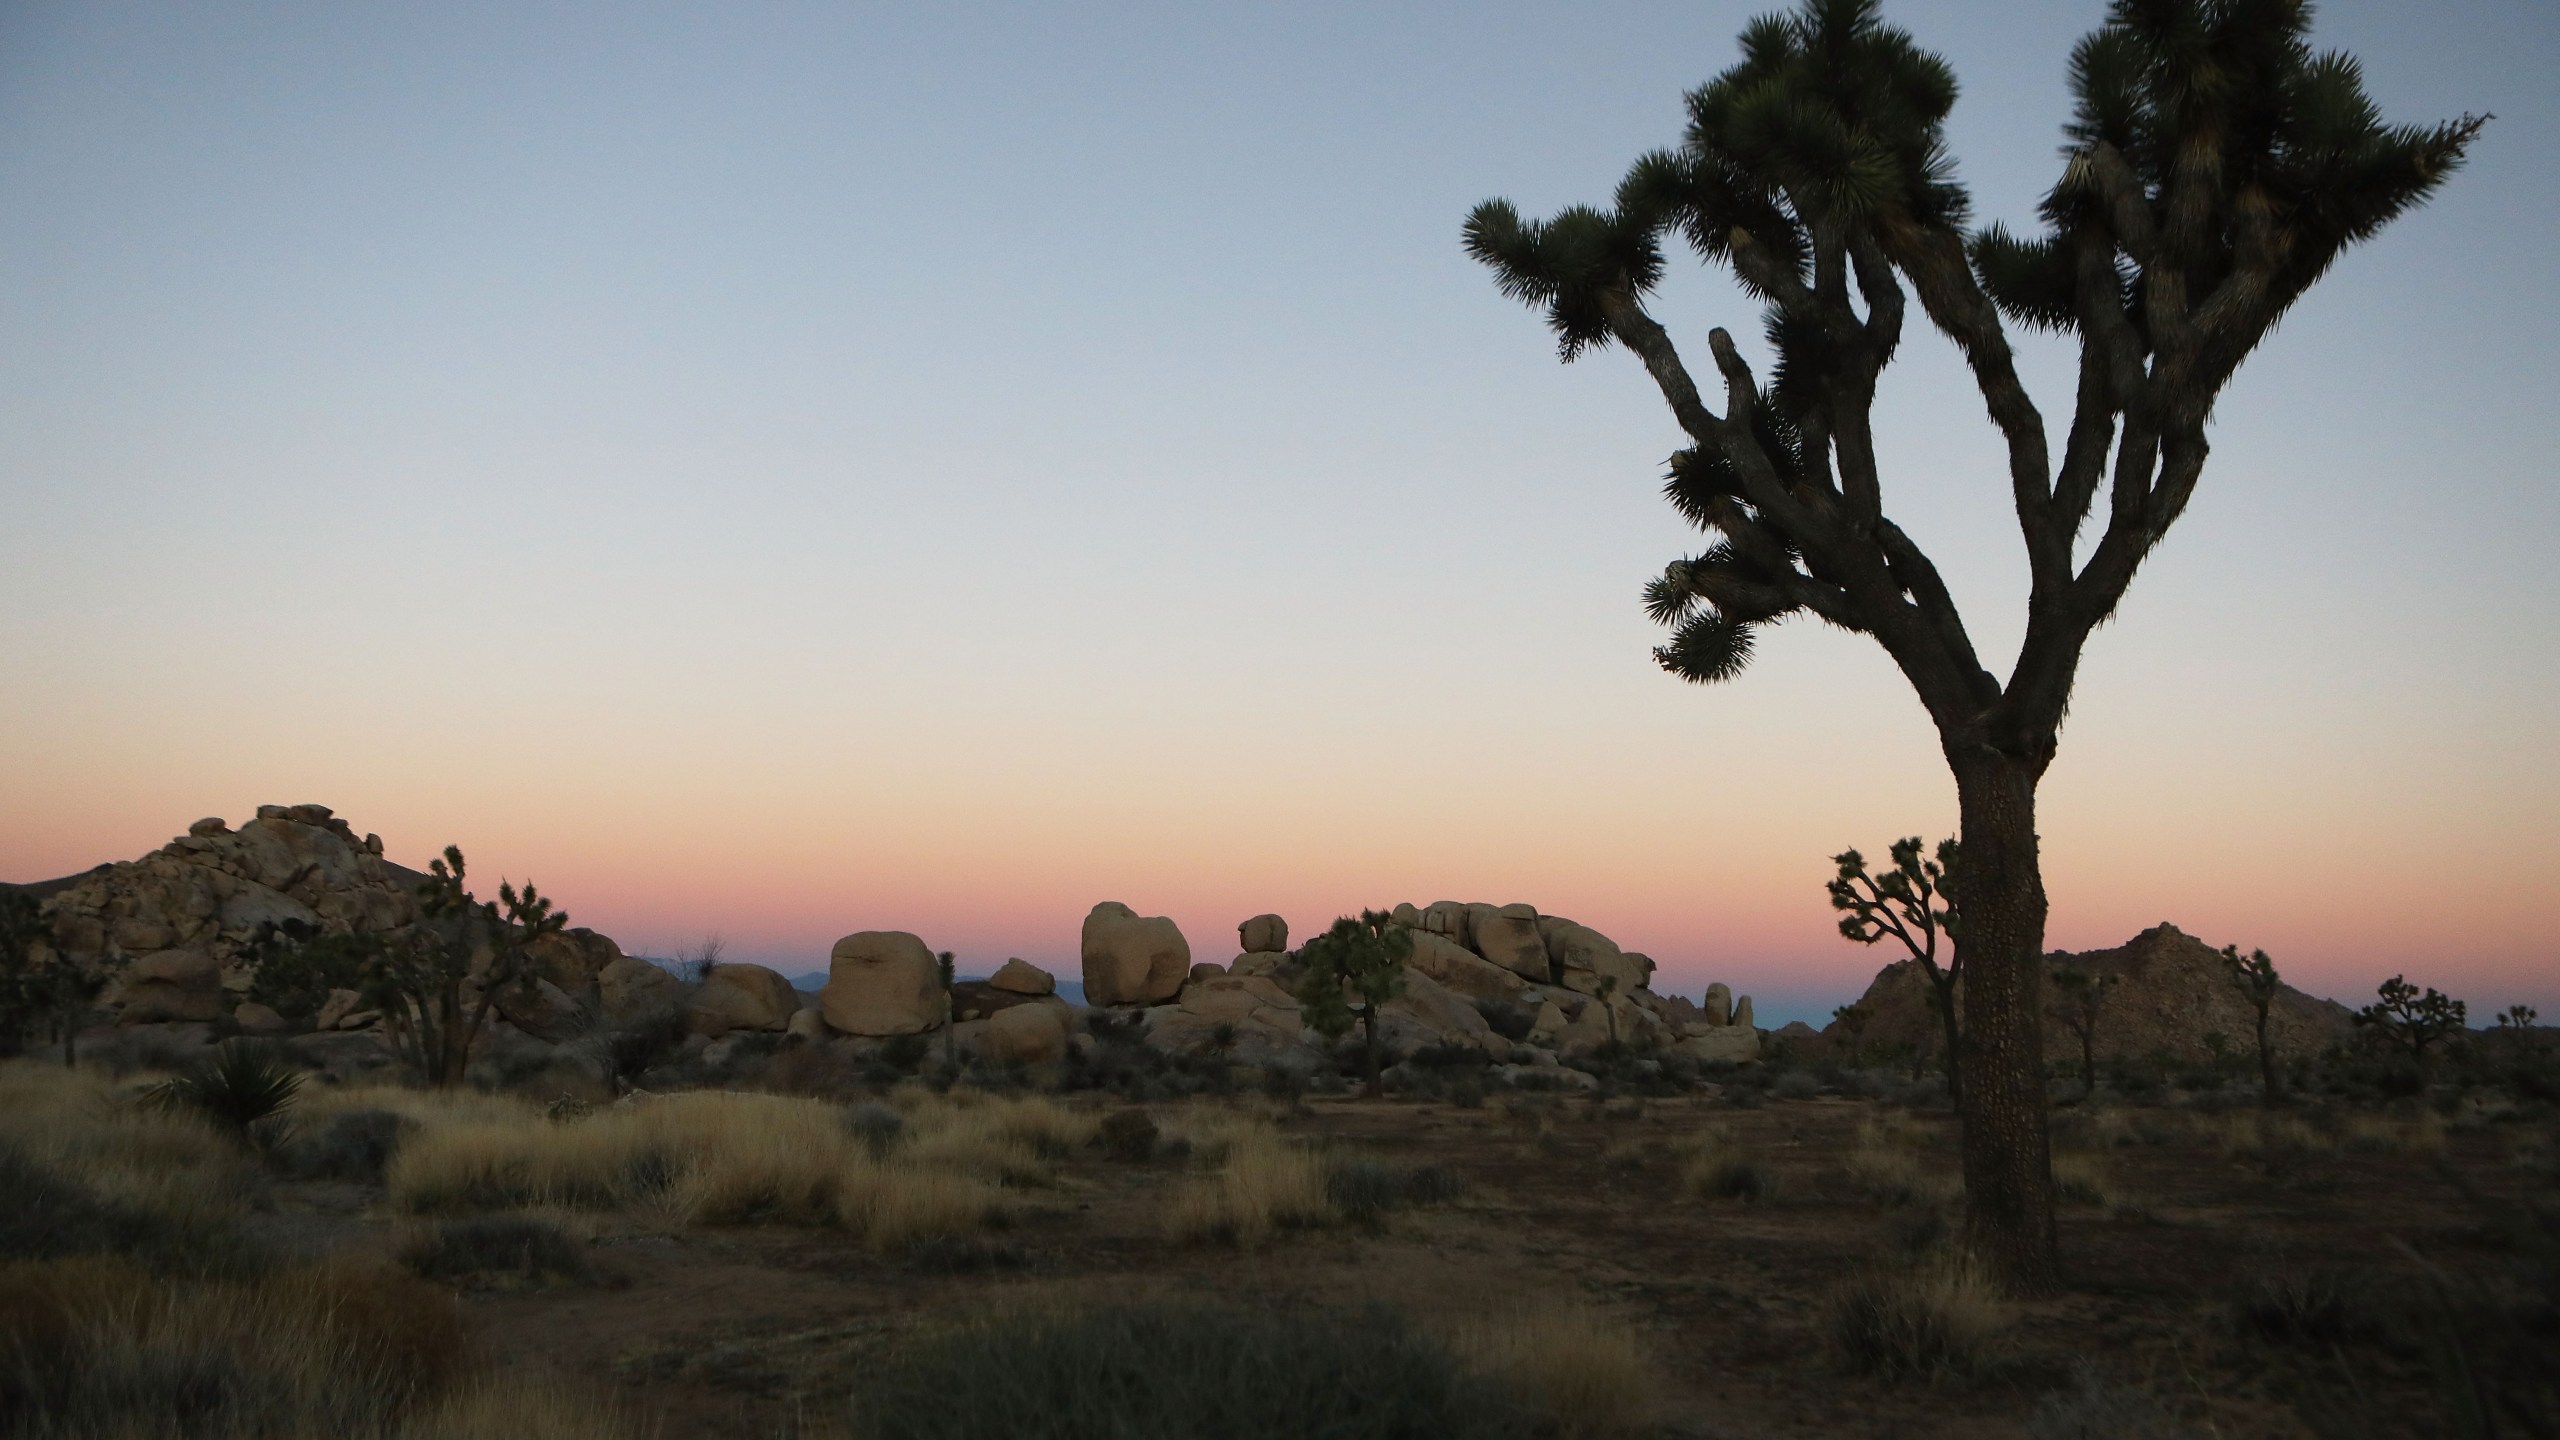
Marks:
<point>2258,983</point>
<point>1903,902</point>
<point>2408,1018</point>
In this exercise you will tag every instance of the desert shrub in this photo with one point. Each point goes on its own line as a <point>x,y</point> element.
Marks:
<point>2092,1409</point>
<point>354,1145</point>
<point>242,1084</point>
<point>519,1246</point>
<point>1583,1370</point>
<point>1128,1135</point>
<point>1937,1320</point>
<point>1795,1085</point>
<point>1157,1372</point>
<point>2320,1307</point>
<point>1884,1163</point>
<point>1713,1172</point>
<point>876,1126</point>
<point>1364,1191</point>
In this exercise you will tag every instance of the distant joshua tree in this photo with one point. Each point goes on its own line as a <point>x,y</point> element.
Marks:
<point>1365,957</point>
<point>2517,1017</point>
<point>1903,903</point>
<point>424,982</point>
<point>2410,1019</point>
<point>39,990</point>
<point>2258,983</point>
<point>2079,998</point>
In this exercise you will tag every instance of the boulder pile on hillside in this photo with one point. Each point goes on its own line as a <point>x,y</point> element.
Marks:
<point>1503,981</point>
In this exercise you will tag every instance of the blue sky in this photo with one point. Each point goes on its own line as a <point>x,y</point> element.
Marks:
<point>789,469</point>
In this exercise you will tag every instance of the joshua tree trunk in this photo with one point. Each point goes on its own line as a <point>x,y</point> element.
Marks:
<point>2007,1163</point>
<point>1372,1089</point>
<point>2266,1058</point>
<point>1945,991</point>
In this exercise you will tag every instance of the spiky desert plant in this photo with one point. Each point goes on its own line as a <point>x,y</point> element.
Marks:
<point>2414,1021</point>
<point>241,1085</point>
<point>2214,167</point>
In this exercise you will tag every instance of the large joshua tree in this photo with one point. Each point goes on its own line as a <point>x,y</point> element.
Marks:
<point>2213,168</point>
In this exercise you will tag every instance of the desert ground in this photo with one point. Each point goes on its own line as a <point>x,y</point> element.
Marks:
<point>806,1251</point>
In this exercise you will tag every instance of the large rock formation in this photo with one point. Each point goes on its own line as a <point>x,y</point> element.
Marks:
<point>2170,992</point>
<point>1130,959</point>
<point>1263,935</point>
<point>741,997</point>
<point>882,982</point>
<point>204,897</point>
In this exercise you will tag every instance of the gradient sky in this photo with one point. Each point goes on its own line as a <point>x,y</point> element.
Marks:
<point>780,470</point>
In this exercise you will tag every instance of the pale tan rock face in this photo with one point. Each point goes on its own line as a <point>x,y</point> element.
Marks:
<point>1721,1044</point>
<point>1461,970</point>
<point>572,959</point>
<point>1576,948</point>
<point>1453,919</point>
<point>1441,1016</point>
<point>634,990</point>
<point>1263,934</point>
<point>810,1024</point>
<point>1034,1034</point>
<point>1021,977</point>
<point>1130,959</point>
<point>256,1019</point>
<point>1719,1006</point>
<point>882,982</point>
<point>1508,936</point>
<point>741,997</point>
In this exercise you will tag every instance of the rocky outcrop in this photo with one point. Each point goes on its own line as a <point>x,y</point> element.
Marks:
<point>1020,977</point>
<point>633,991</point>
<point>1132,959</point>
<point>882,982</point>
<point>210,892</point>
<point>1263,935</point>
<point>1033,1034</point>
<point>170,985</point>
<point>741,997</point>
<point>1462,970</point>
<point>2169,992</point>
<point>1508,936</point>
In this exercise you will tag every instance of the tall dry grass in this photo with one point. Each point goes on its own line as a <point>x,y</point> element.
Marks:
<point>1885,1162</point>
<point>1583,1366</point>
<point>1943,1318</point>
<point>1262,1184</point>
<point>195,1182</point>
<point>725,1157</point>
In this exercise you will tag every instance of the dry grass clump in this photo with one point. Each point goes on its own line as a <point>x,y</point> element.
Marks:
<point>1943,1318</point>
<point>2422,1135</point>
<point>187,1180</point>
<point>2082,1180</point>
<point>716,1157</point>
<point>98,1346</point>
<point>2261,1134</point>
<point>1583,1366</point>
<point>1885,1163</point>
<point>516,1407</point>
<point>1711,1170</point>
<point>1263,1184</point>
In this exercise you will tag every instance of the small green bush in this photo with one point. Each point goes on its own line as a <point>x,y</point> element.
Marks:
<point>1174,1372</point>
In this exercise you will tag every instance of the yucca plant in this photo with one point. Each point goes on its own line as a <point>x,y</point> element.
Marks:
<point>239,1087</point>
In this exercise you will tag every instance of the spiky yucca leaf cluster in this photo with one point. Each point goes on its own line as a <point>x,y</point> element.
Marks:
<point>2215,166</point>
